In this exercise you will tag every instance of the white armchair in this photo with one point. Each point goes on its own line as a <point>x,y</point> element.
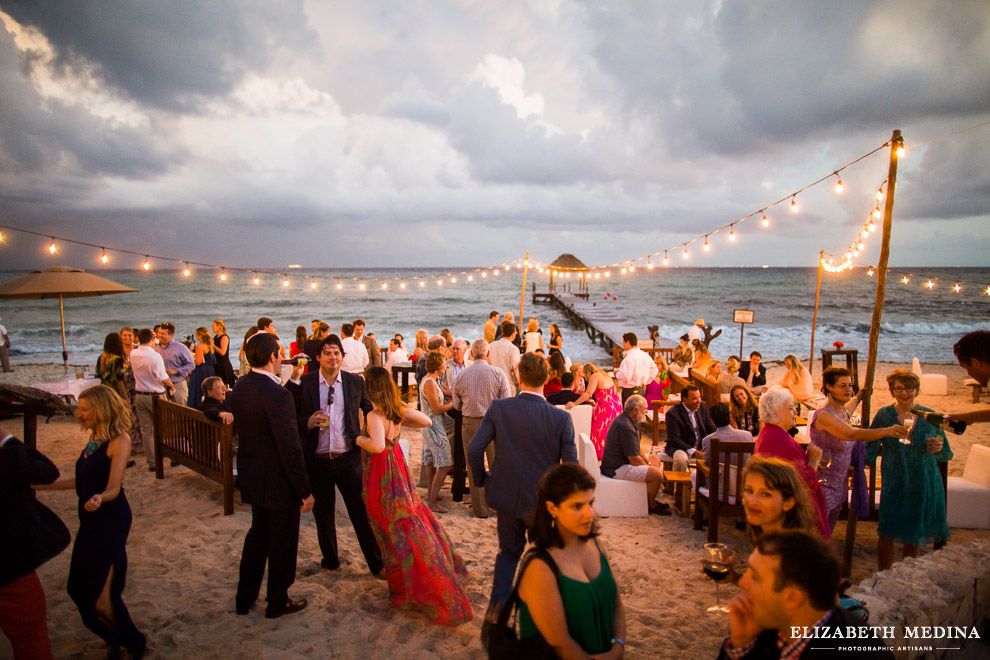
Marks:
<point>937,384</point>
<point>613,497</point>
<point>968,501</point>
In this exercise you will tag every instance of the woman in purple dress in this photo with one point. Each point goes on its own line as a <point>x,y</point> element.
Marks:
<point>607,404</point>
<point>831,431</point>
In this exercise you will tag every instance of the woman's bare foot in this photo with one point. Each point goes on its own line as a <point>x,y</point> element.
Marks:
<point>436,508</point>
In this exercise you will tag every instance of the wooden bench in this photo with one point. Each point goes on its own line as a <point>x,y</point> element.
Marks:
<point>401,373</point>
<point>710,392</point>
<point>188,438</point>
<point>723,476</point>
<point>976,387</point>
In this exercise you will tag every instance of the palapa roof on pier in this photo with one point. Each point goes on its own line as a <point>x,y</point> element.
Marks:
<point>568,261</point>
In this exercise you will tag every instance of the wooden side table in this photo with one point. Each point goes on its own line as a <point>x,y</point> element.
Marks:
<point>852,362</point>
<point>682,491</point>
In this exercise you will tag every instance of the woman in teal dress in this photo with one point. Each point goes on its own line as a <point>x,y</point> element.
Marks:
<point>912,499</point>
<point>581,583</point>
<point>437,458</point>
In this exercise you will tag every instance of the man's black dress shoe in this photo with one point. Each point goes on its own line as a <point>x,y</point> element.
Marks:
<point>289,607</point>
<point>660,511</point>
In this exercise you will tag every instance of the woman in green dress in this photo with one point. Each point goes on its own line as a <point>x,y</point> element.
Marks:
<point>912,499</point>
<point>576,606</point>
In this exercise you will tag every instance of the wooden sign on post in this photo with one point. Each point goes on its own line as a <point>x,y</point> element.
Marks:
<point>742,317</point>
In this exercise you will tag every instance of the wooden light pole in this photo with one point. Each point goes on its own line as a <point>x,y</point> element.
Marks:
<point>896,142</point>
<point>522,297</point>
<point>814,319</point>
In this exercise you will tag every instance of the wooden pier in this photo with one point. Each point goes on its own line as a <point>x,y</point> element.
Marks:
<point>602,325</point>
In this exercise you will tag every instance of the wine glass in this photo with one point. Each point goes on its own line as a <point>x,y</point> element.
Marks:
<point>715,561</point>
<point>908,423</point>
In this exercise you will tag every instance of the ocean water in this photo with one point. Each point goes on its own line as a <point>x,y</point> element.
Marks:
<point>917,321</point>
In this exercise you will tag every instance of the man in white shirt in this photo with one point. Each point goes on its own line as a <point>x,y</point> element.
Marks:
<point>370,345</point>
<point>150,382</point>
<point>452,367</point>
<point>504,354</point>
<point>694,332</point>
<point>355,354</point>
<point>636,370</point>
<point>396,354</point>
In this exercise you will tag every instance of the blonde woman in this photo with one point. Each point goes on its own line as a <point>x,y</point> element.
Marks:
<point>730,376</point>
<point>221,344</point>
<point>607,404</point>
<point>422,338</point>
<point>206,361</point>
<point>98,568</point>
<point>702,357</point>
<point>797,380</point>
<point>533,337</point>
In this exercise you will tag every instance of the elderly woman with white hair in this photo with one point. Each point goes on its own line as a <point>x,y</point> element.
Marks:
<point>777,413</point>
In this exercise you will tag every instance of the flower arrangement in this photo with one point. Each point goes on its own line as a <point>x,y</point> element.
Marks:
<point>838,345</point>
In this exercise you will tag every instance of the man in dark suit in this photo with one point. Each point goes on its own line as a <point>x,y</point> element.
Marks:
<point>530,435</point>
<point>327,410</point>
<point>32,535</point>
<point>214,404</point>
<point>566,394</point>
<point>687,423</point>
<point>272,477</point>
<point>754,373</point>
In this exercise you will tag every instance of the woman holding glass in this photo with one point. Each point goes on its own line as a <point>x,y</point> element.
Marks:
<point>831,431</point>
<point>607,404</point>
<point>912,502</point>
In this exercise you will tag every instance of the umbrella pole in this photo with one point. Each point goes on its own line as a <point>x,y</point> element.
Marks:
<point>61,316</point>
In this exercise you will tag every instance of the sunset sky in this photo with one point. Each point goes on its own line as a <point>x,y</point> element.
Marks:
<point>370,133</point>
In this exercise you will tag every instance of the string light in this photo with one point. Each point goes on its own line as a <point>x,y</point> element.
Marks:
<point>649,265</point>
<point>686,255</point>
<point>186,272</point>
<point>285,282</point>
<point>880,194</point>
<point>876,211</point>
<point>766,221</point>
<point>439,282</point>
<point>905,279</point>
<point>931,284</point>
<point>794,205</point>
<point>1,237</point>
<point>496,272</point>
<point>51,248</point>
<point>870,272</point>
<point>838,186</point>
<point>147,264</point>
<point>608,273</point>
<point>957,288</point>
<point>484,274</point>
<point>104,258</point>
<point>453,280</point>
<point>422,283</point>
<point>312,283</point>
<point>623,271</point>
<point>384,285</point>
<point>402,284</point>
<point>223,275</point>
<point>900,151</point>
<point>470,278</point>
<point>361,285</point>
<point>732,234</point>
<point>666,260</point>
<point>707,247</point>
<point>632,268</point>
<point>257,280</point>
<point>339,285</point>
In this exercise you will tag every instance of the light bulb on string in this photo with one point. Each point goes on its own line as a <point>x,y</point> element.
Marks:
<point>147,264</point>
<point>285,282</point>
<point>880,194</point>
<point>422,283</point>
<point>901,151</point>
<point>402,284</point>
<point>872,226</point>
<point>484,274</point>
<point>957,288</point>
<point>1,237</point>
<point>988,290</point>
<point>876,211</point>
<point>439,282</point>
<point>686,255</point>
<point>453,280</point>
<point>707,247</point>
<point>312,283</point>
<point>732,234</point>
<point>186,272</point>
<point>870,272</point>
<point>104,258</point>
<point>608,273</point>
<point>361,285</point>
<point>51,247</point>
<point>470,278</point>
<point>567,275</point>
<point>666,260</point>
<point>649,265</point>
<point>905,279</point>
<point>257,280</point>
<point>597,275</point>
<point>838,186</point>
<point>339,285</point>
<point>862,246</point>
<point>223,275</point>
<point>623,271</point>
<point>931,284</point>
<point>496,272</point>
<point>384,285</point>
<point>766,221</point>
<point>794,204</point>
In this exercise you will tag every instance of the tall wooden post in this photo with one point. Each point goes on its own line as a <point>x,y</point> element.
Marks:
<point>814,319</point>
<point>522,298</point>
<point>896,141</point>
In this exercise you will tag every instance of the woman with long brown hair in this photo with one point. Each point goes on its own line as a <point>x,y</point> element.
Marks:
<point>205,358</point>
<point>221,344</point>
<point>422,570</point>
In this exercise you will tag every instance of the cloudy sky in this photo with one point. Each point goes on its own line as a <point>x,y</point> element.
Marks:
<point>357,133</point>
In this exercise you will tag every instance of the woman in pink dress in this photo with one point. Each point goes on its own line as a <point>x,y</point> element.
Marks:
<point>607,404</point>
<point>778,414</point>
<point>422,570</point>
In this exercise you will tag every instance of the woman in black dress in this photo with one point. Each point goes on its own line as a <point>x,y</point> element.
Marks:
<point>99,557</point>
<point>221,342</point>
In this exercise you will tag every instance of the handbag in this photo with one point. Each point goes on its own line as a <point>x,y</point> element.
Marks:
<point>503,641</point>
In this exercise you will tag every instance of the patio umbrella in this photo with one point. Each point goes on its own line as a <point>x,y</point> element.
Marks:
<point>60,282</point>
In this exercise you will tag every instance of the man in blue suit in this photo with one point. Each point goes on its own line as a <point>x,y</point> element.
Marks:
<point>530,435</point>
<point>272,477</point>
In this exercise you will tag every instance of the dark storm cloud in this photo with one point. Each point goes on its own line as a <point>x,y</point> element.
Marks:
<point>171,55</point>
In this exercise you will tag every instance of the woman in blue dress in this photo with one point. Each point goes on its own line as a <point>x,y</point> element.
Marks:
<point>98,568</point>
<point>912,499</point>
<point>436,445</point>
<point>206,362</point>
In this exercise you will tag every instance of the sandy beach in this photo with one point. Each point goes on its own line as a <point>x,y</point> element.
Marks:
<point>183,559</point>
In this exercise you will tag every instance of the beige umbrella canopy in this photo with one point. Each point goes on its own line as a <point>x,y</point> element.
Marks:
<point>60,282</point>
<point>568,261</point>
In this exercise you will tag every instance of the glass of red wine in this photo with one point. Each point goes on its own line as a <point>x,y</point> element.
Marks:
<point>715,561</point>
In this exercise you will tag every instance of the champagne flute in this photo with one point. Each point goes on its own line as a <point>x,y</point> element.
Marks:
<point>908,423</point>
<point>715,561</point>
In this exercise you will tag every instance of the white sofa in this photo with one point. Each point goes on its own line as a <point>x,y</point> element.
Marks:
<point>613,497</point>
<point>968,502</point>
<point>936,384</point>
